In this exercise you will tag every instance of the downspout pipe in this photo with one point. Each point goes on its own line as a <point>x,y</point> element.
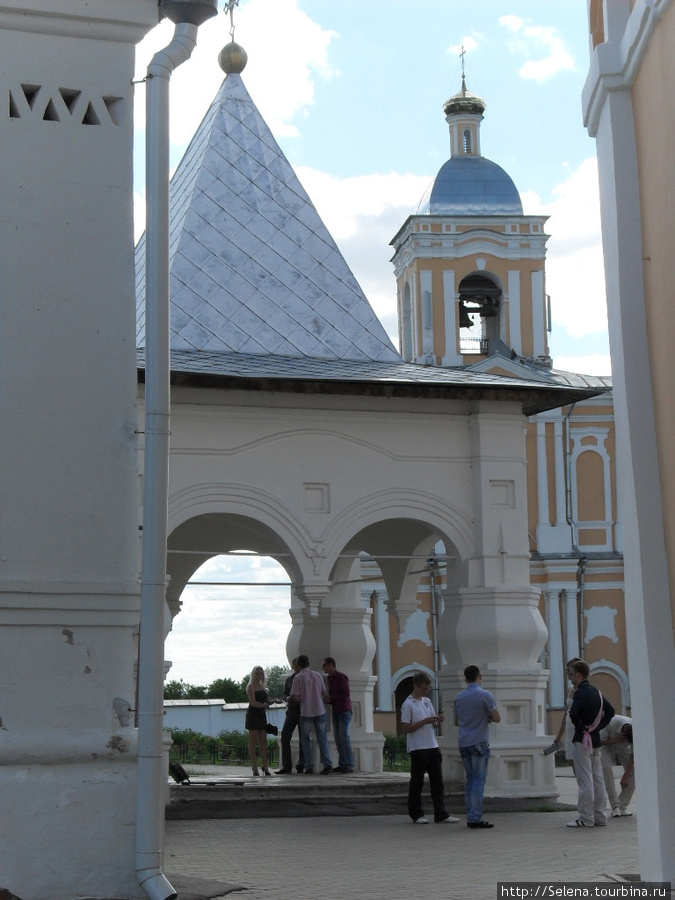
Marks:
<point>581,564</point>
<point>151,775</point>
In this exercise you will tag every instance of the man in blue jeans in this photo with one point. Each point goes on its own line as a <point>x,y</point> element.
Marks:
<point>475,708</point>
<point>341,705</point>
<point>308,690</point>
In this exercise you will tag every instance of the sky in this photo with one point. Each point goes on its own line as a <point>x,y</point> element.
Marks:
<point>353,91</point>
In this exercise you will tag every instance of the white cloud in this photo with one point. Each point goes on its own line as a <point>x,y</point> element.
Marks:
<point>468,43</point>
<point>513,23</point>
<point>223,631</point>
<point>266,29</point>
<point>575,267</point>
<point>532,41</point>
<point>592,364</point>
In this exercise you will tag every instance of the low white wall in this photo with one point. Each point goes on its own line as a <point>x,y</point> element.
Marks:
<point>212,716</point>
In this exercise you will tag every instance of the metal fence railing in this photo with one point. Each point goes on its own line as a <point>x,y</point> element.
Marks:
<point>217,753</point>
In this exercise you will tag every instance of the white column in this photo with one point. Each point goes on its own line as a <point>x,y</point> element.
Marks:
<point>383,656</point>
<point>492,618</point>
<point>556,663</point>
<point>571,623</point>
<point>554,538</point>
<point>69,592</point>
<point>542,474</point>
<point>559,472</point>
<point>452,356</point>
<point>427,317</point>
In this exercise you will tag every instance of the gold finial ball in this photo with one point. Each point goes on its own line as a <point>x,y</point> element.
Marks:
<point>232,59</point>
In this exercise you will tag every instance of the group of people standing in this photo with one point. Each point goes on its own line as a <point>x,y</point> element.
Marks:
<point>594,738</point>
<point>306,695</point>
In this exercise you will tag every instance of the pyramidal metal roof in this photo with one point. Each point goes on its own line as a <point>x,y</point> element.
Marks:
<point>253,268</point>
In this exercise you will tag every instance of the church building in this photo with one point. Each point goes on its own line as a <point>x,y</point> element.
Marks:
<point>451,501</point>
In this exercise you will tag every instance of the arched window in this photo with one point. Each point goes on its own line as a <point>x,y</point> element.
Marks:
<point>479,312</point>
<point>468,144</point>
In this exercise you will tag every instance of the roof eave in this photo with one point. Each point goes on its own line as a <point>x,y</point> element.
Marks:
<point>533,398</point>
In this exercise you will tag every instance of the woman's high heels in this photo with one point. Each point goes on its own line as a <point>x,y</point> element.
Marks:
<point>266,772</point>
<point>256,772</point>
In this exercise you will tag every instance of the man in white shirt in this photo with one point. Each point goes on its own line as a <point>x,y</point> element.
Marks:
<point>417,723</point>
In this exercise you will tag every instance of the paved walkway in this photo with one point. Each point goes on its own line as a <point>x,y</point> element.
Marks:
<point>387,857</point>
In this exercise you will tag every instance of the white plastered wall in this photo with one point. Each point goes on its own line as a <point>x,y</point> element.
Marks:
<point>69,595</point>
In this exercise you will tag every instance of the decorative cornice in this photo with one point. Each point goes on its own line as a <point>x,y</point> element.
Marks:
<point>614,64</point>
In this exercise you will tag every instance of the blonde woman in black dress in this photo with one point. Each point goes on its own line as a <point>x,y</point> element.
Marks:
<point>256,719</point>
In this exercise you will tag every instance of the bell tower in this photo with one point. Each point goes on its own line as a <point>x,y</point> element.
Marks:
<point>469,265</point>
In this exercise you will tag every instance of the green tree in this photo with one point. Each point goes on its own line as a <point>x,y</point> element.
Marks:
<point>181,690</point>
<point>274,680</point>
<point>275,676</point>
<point>227,689</point>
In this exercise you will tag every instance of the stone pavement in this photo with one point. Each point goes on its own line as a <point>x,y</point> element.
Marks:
<point>387,857</point>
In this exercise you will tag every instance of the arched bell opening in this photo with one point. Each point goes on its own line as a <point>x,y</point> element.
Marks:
<point>480,310</point>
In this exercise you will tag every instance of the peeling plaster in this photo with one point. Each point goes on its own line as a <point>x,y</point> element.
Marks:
<point>68,635</point>
<point>416,629</point>
<point>600,623</point>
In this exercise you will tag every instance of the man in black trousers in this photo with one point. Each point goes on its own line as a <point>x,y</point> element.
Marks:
<point>291,722</point>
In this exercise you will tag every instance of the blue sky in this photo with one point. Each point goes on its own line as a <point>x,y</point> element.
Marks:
<point>353,91</point>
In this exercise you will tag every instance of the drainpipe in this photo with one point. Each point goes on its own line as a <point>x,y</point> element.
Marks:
<point>187,16</point>
<point>581,564</point>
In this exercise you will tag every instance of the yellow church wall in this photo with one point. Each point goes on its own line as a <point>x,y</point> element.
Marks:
<point>494,266</point>
<point>654,112</point>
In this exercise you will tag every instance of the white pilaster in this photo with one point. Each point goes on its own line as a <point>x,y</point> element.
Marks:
<point>427,317</point>
<point>452,355</point>
<point>514,339</point>
<point>538,314</point>
<point>571,623</point>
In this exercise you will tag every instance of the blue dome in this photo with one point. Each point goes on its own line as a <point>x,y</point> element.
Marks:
<point>473,186</point>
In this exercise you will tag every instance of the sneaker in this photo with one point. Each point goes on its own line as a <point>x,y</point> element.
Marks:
<point>482,824</point>
<point>448,820</point>
<point>577,823</point>
<point>421,821</point>
<point>326,770</point>
<point>624,812</point>
<point>616,812</point>
<point>309,771</point>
